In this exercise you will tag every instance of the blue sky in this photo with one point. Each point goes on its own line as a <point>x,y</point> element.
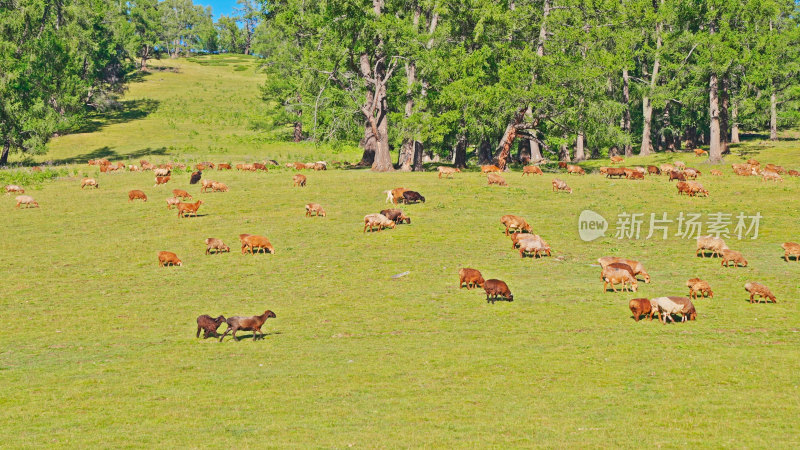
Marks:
<point>218,7</point>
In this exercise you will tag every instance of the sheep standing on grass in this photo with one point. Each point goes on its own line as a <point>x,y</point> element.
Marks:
<point>208,325</point>
<point>253,323</point>
<point>791,249</point>
<point>760,290</point>
<point>26,200</point>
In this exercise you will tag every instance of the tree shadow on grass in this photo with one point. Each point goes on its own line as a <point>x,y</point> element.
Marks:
<point>107,152</point>
<point>128,111</point>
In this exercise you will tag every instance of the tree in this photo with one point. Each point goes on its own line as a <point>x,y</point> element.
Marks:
<point>249,15</point>
<point>145,18</point>
<point>230,36</point>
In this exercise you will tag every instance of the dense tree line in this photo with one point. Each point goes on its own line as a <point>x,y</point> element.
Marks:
<point>60,59</point>
<point>561,78</point>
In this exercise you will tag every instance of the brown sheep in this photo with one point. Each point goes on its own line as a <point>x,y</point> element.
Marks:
<point>161,180</point>
<point>315,208</point>
<point>180,193</point>
<point>168,259</point>
<point>691,173</point>
<point>470,276</point>
<point>319,165</point>
<point>162,172</point>
<point>715,244</point>
<point>205,185</point>
<point>223,166</point>
<point>299,180</point>
<point>184,209</point>
<point>531,170</point>
<point>136,194</point>
<point>666,168</point>
<point>174,201</point>
<point>560,185</point>
<point>793,173</point>
<point>638,268</point>
<point>769,175</point>
<point>396,195</point>
<point>571,168</point>
<point>635,176</point>
<point>684,188</point>
<point>639,307</point>
<point>516,223</point>
<point>259,166</point>
<point>716,173</point>
<point>791,249</point>
<point>516,237</point>
<point>377,220</point>
<point>496,179</point>
<point>396,215</point>
<point>680,165</point>
<point>699,152</point>
<point>774,168</point>
<point>216,244</point>
<point>489,169</point>
<point>696,285</point>
<point>562,165</point>
<point>667,306</point>
<point>617,159</point>
<point>612,276</point>
<point>253,324</point>
<point>675,175</point>
<point>447,171</point>
<point>208,325</point>
<point>696,188</point>
<point>219,187</point>
<point>14,188</point>
<point>26,200</point>
<point>251,242</point>
<point>733,256</point>
<point>760,290</point>
<point>615,172</point>
<point>653,170</point>
<point>91,182</point>
<point>496,288</point>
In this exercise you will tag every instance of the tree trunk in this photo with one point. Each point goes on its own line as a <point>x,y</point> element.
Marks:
<point>691,137</point>
<point>734,123</point>
<point>579,152</point>
<point>773,117</point>
<point>715,144</point>
<point>563,154</point>
<point>4,155</point>
<point>525,151</point>
<point>723,113</point>
<point>145,55</point>
<point>647,107</point>
<point>626,117</point>
<point>369,144</point>
<point>460,154</point>
<point>406,157</point>
<point>298,130</point>
<point>418,152</point>
<point>536,152</point>
<point>508,137</point>
<point>485,153</point>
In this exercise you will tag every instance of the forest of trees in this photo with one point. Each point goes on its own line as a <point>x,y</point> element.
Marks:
<point>566,79</point>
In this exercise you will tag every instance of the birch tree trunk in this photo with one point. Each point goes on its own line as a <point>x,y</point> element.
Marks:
<point>773,117</point>
<point>734,123</point>
<point>715,145</point>
<point>626,117</point>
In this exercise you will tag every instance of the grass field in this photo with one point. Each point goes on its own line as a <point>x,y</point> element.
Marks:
<point>99,348</point>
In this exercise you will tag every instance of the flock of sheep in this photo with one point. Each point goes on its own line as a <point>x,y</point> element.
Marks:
<point>614,270</point>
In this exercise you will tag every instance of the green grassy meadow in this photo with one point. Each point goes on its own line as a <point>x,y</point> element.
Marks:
<point>99,347</point>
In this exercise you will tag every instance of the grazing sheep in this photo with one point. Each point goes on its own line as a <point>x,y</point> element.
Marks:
<point>447,171</point>
<point>560,185</point>
<point>791,249</point>
<point>696,285</point>
<point>162,172</point>
<point>516,237</point>
<point>716,173</point>
<point>299,180</point>
<point>161,180</point>
<point>180,193</point>
<point>571,168</point>
<point>168,259</point>
<point>562,165</point>
<point>638,268</point>
<point>496,288</point>
<point>398,216</point>
<point>412,197</point>
<point>531,170</point>
<point>715,244</point>
<point>515,223</point>
<point>494,178</point>
<point>252,242</point>
<point>26,200</point>
<point>680,165</point>
<point>219,187</point>
<point>683,188</point>
<point>377,220</point>
<point>195,177</point>
<point>621,266</point>
<point>675,175</point>
<point>617,159</point>
<point>259,166</point>
<point>639,307</point>
<point>208,325</point>
<point>397,195</point>
<point>760,290</point>
<point>489,168</point>
<point>615,172</point>
<point>174,201</point>
<point>793,173</point>
<point>653,170</point>
<point>535,245</point>
<point>612,276</point>
<point>696,188</point>
<point>691,173</point>
<point>205,185</point>
<point>733,256</point>
<point>667,306</point>
<point>223,166</point>
<point>14,188</point>
<point>322,165</point>
<point>184,209</point>
<point>774,168</point>
<point>470,276</point>
<point>315,208</point>
<point>753,162</point>
<point>216,244</point>
<point>635,176</point>
<point>666,168</point>
<point>769,175</point>
<point>253,323</point>
<point>91,182</point>
<point>136,194</point>
<point>699,152</point>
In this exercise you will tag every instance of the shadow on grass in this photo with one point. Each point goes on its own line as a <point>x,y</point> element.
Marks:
<point>260,337</point>
<point>129,110</point>
<point>107,152</point>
